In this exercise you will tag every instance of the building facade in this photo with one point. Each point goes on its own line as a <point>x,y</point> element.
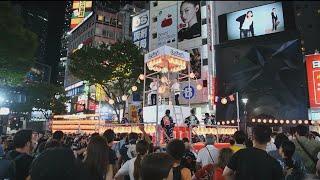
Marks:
<point>102,25</point>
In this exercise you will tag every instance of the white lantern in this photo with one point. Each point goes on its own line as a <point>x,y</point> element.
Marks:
<point>199,87</point>
<point>164,79</point>
<point>124,97</point>
<point>192,75</point>
<point>224,101</point>
<point>111,101</point>
<point>141,77</point>
<point>134,88</point>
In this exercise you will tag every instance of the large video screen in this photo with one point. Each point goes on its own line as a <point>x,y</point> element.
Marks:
<point>255,21</point>
<point>271,74</point>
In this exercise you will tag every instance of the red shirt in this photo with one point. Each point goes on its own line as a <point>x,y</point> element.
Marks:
<point>218,174</point>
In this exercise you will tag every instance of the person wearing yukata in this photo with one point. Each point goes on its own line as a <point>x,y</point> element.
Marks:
<point>167,125</point>
<point>192,119</point>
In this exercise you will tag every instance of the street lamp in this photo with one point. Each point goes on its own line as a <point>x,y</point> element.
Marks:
<point>245,101</point>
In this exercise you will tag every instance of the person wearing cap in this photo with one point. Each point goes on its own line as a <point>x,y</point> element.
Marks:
<point>208,154</point>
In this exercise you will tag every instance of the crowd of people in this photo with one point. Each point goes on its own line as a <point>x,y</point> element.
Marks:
<point>268,156</point>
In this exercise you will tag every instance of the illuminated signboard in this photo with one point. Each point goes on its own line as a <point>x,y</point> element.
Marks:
<point>80,9</point>
<point>140,30</point>
<point>313,73</point>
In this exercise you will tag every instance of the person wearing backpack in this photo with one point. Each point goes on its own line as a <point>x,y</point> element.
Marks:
<point>20,156</point>
<point>176,149</point>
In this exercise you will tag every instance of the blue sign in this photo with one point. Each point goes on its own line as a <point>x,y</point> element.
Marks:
<point>188,92</point>
<point>141,38</point>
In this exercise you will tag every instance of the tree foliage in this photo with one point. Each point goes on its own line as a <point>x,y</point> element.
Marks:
<point>116,67</point>
<point>17,48</point>
<point>43,97</point>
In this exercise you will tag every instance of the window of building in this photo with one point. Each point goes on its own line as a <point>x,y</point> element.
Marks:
<point>119,24</point>
<point>111,34</point>
<point>98,31</point>
<point>100,18</point>
<point>155,19</point>
<point>155,3</point>
<point>204,21</point>
<point>113,22</point>
<point>204,41</point>
<point>107,20</point>
<point>154,35</point>
<point>104,32</point>
<point>205,62</point>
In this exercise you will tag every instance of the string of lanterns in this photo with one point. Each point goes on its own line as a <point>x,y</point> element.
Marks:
<point>276,121</point>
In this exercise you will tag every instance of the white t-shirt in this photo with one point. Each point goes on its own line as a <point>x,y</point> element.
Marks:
<point>127,169</point>
<point>271,147</point>
<point>176,88</point>
<point>204,157</point>
<point>154,87</point>
<point>247,23</point>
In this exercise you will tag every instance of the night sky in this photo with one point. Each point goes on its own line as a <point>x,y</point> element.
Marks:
<point>56,10</point>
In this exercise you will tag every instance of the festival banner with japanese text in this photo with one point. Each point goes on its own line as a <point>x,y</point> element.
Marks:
<point>313,73</point>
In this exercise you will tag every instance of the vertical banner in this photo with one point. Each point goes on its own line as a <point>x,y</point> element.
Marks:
<point>313,73</point>
<point>211,61</point>
<point>140,30</point>
<point>167,26</point>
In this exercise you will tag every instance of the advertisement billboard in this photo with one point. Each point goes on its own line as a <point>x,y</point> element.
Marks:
<point>270,74</point>
<point>313,73</point>
<point>255,21</point>
<point>140,21</point>
<point>189,20</point>
<point>80,9</point>
<point>140,30</point>
<point>167,26</point>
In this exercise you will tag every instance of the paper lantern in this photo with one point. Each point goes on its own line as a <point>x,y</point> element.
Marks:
<point>141,77</point>
<point>124,97</point>
<point>264,121</point>
<point>134,88</point>
<point>276,121</point>
<point>253,120</point>
<point>306,122</point>
<point>164,79</point>
<point>294,121</point>
<point>224,101</point>
<point>270,120</point>
<point>199,87</point>
<point>192,75</point>
<point>111,101</point>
